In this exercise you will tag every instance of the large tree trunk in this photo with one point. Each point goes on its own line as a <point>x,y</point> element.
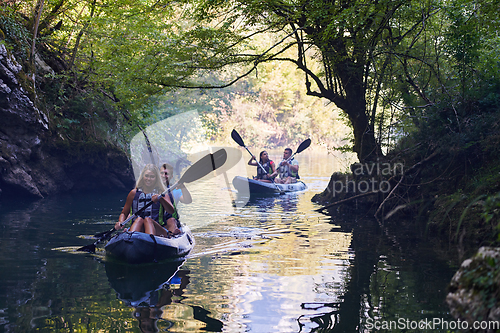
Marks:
<point>365,145</point>
<point>353,103</point>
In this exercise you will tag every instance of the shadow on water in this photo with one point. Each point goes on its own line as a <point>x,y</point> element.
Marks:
<point>393,280</point>
<point>150,289</point>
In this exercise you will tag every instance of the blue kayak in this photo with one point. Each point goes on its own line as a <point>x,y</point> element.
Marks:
<point>141,248</point>
<point>243,184</point>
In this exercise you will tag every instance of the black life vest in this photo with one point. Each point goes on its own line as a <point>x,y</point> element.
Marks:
<point>267,166</point>
<point>140,200</point>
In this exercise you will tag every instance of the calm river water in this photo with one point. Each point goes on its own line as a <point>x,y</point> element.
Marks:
<point>273,265</point>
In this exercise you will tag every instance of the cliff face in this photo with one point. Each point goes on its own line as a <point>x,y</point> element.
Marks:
<point>32,162</point>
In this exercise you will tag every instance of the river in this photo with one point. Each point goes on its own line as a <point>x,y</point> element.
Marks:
<point>273,265</point>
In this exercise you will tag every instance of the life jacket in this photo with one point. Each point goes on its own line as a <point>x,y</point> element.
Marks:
<point>140,200</point>
<point>164,215</point>
<point>267,166</point>
<point>285,171</point>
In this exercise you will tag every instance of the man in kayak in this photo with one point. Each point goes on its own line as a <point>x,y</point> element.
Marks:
<point>266,163</point>
<point>288,169</point>
<point>179,194</point>
<point>148,188</point>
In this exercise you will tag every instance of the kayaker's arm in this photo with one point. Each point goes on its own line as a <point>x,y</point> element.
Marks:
<point>294,167</point>
<point>165,202</point>
<point>126,209</point>
<point>253,161</point>
<point>186,196</point>
<point>275,170</point>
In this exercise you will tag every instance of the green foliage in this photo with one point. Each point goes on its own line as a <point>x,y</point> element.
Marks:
<point>491,212</point>
<point>460,119</point>
<point>491,208</point>
<point>14,32</point>
<point>139,49</point>
<point>78,113</point>
<point>380,62</point>
<point>463,39</point>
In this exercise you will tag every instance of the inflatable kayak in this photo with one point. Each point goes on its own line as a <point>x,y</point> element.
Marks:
<point>257,187</point>
<point>141,248</point>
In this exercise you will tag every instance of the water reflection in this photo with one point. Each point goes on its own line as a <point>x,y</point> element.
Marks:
<point>324,320</point>
<point>150,289</point>
<point>266,202</point>
<point>272,256</point>
<point>274,265</point>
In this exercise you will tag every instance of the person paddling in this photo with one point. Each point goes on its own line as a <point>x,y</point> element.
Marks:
<point>288,169</point>
<point>266,163</point>
<point>148,188</point>
<point>179,194</point>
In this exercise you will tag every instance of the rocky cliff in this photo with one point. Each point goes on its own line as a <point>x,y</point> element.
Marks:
<point>33,160</point>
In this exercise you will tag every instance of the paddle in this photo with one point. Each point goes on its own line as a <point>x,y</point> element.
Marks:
<point>198,170</point>
<point>237,138</point>
<point>303,146</point>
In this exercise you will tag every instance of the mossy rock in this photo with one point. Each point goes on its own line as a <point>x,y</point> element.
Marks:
<point>475,288</point>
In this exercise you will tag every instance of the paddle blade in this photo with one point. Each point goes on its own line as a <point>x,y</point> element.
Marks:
<point>303,146</point>
<point>88,248</point>
<point>233,157</point>
<point>237,138</point>
<point>204,166</point>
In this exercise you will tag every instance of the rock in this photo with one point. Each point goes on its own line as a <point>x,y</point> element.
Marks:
<point>31,161</point>
<point>19,176</point>
<point>474,291</point>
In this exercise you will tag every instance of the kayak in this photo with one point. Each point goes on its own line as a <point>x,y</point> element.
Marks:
<point>140,248</point>
<point>243,184</point>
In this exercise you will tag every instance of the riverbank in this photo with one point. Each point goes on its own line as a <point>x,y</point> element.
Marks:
<point>450,193</point>
<point>449,197</point>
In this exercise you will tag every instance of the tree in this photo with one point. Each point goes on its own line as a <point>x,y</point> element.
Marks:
<point>136,49</point>
<point>364,56</point>
<point>352,40</point>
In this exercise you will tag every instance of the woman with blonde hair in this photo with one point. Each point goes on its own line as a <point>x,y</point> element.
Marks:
<point>148,188</point>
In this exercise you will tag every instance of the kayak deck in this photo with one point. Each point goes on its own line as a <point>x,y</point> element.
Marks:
<point>140,248</point>
<point>243,184</point>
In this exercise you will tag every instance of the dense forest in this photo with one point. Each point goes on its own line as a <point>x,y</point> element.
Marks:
<point>402,82</point>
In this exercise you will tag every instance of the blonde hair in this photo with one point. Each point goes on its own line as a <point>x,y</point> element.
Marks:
<point>158,185</point>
